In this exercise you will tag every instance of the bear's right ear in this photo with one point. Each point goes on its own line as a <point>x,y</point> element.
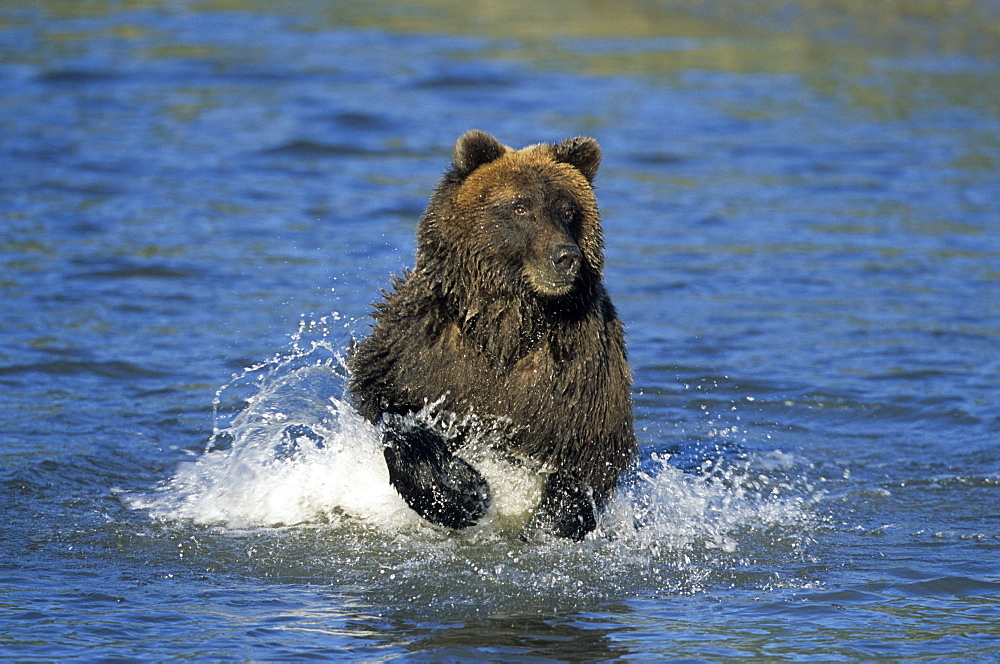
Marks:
<point>582,153</point>
<point>473,149</point>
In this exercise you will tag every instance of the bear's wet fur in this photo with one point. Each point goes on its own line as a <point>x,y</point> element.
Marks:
<point>505,331</point>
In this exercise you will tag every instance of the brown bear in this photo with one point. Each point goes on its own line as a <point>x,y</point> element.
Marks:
<point>505,330</point>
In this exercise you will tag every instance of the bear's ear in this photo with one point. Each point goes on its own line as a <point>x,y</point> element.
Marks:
<point>473,149</point>
<point>582,153</point>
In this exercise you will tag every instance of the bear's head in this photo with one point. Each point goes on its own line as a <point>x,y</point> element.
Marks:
<point>519,224</point>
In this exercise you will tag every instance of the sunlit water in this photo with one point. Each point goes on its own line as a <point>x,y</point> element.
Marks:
<point>198,205</point>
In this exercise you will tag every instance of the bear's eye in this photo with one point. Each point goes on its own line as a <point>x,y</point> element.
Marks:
<point>520,209</point>
<point>568,213</point>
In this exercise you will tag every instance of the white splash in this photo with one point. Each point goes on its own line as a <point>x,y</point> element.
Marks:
<point>298,453</point>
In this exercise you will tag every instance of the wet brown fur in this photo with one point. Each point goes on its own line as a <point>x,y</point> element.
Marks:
<point>483,325</point>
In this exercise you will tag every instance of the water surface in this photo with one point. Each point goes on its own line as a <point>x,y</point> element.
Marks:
<point>199,201</point>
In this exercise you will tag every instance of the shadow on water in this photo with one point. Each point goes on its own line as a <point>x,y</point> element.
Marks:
<point>533,637</point>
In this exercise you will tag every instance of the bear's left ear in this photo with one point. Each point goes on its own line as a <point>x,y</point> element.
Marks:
<point>582,153</point>
<point>473,149</point>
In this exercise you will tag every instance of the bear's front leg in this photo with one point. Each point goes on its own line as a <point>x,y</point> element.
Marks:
<point>567,508</point>
<point>435,483</point>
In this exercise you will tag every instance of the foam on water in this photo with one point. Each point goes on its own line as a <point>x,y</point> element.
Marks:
<point>297,453</point>
<point>294,452</point>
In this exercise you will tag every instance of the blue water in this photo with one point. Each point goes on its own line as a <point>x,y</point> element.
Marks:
<point>198,203</point>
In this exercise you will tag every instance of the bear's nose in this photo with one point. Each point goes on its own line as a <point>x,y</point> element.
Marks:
<point>566,260</point>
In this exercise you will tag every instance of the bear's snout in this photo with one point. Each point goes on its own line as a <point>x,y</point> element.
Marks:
<point>565,259</point>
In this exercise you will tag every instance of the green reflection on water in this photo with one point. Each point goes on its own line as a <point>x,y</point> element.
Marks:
<point>888,57</point>
<point>969,27</point>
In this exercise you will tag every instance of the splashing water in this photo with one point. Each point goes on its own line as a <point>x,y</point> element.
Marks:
<point>297,454</point>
